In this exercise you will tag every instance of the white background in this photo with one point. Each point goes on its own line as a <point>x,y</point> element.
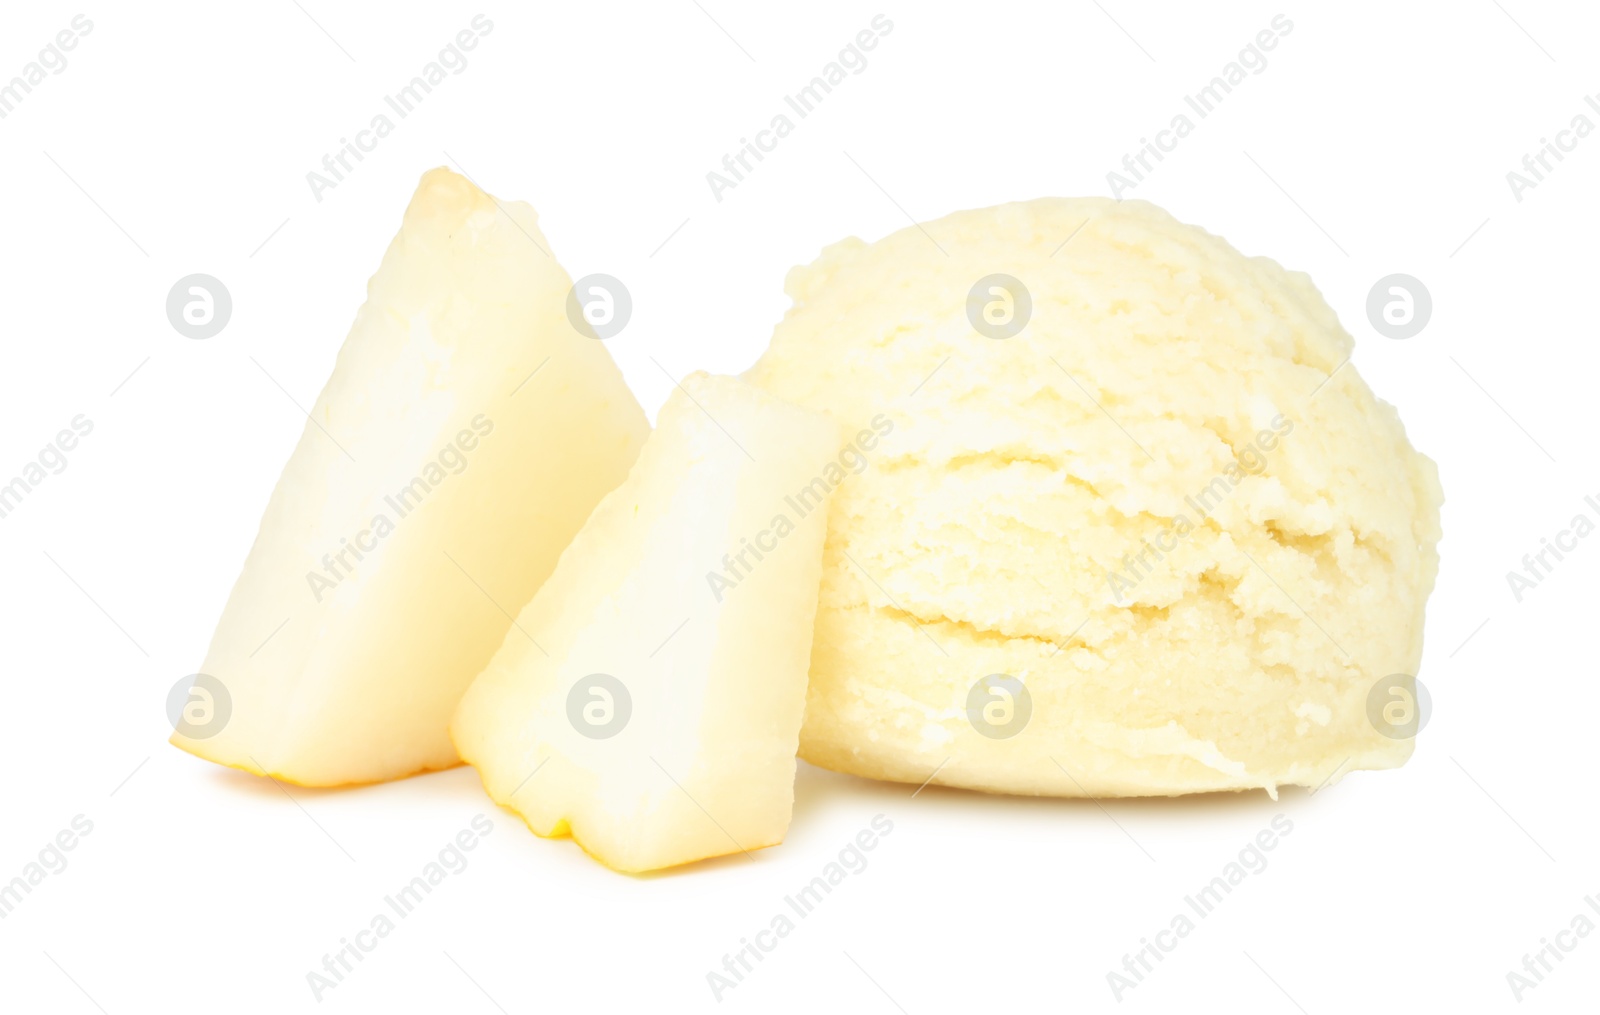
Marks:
<point>178,139</point>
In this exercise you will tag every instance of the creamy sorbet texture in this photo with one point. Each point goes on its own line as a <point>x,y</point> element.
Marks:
<point>1173,553</point>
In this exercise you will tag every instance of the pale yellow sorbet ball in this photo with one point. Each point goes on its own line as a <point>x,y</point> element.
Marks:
<point>1172,553</point>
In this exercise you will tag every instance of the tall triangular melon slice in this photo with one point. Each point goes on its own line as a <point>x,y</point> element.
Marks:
<point>466,433</point>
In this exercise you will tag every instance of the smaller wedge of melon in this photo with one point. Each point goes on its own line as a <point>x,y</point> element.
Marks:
<point>648,699</point>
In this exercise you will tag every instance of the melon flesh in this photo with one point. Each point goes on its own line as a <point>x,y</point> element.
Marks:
<point>692,590</point>
<point>465,434</point>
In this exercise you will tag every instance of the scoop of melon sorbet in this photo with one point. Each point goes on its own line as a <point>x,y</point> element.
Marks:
<point>1136,526</point>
